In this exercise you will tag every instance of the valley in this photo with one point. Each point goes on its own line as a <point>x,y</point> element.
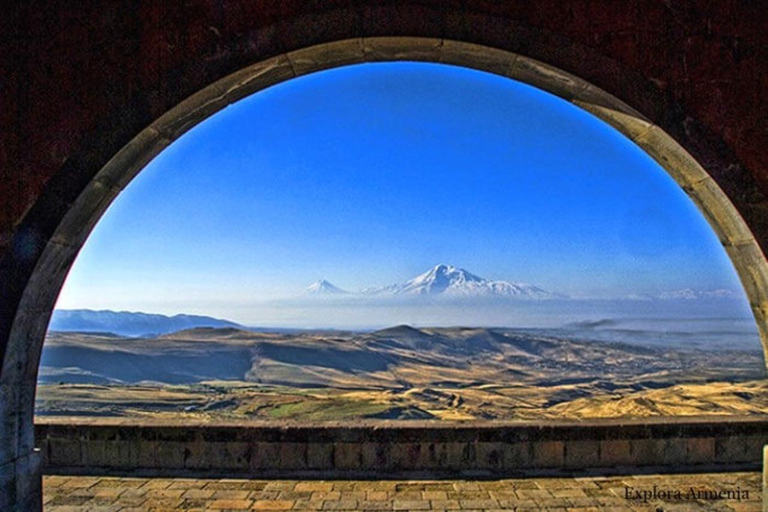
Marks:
<point>399,373</point>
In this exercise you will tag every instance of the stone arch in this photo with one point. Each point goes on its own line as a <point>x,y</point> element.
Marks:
<point>44,259</point>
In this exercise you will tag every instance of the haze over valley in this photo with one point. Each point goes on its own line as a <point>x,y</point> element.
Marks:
<point>402,372</point>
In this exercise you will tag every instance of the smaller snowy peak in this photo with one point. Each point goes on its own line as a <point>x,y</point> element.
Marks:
<point>691,294</point>
<point>322,288</point>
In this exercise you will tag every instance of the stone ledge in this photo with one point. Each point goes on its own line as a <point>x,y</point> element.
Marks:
<point>379,447</point>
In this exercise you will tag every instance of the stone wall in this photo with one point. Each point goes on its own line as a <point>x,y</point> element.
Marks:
<point>378,449</point>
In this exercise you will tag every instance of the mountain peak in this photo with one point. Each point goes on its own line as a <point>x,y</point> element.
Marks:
<point>323,287</point>
<point>444,279</point>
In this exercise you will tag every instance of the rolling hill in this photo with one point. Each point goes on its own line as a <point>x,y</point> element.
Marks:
<point>397,373</point>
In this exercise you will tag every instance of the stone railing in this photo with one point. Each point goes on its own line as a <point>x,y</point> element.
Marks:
<point>77,445</point>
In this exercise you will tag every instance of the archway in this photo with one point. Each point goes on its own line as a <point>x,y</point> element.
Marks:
<point>71,222</point>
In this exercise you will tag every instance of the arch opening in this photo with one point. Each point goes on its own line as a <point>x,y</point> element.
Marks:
<point>47,279</point>
<point>329,326</point>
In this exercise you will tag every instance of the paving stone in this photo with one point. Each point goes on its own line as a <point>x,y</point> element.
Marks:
<point>478,504</point>
<point>445,504</point>
<point>406,495</point>
<point>297,495</point>
<point>376,495</point>
<point>157,484</point>
<point>231,495</point>
<point>329,495</point>
<point>410,505</point>
<point>223,486</point>
<point>198,493</point>
<point>340,505</point>
<point>375,505</point>
<point>344,485</point>
<point>468,495</point>
<point>264,495</point>
<point>94,494</point>
<point>230,504</point>
<point>434,495</point>
<point>313,486</point>
<point>308,505</point>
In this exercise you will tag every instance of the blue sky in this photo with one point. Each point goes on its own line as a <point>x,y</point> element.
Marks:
<point>368,175</point>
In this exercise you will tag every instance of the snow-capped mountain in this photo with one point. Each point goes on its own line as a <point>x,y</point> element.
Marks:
<point>323,287</point>
<point>456,282</point>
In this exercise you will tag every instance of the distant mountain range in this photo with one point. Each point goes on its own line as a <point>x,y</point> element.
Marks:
<point>443,280</point>
<point>125,323</point>
<point>449,281</point>
<point>687,294</point>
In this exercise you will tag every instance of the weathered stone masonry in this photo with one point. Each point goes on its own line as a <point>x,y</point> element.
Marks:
<point>90,94</point>
<point>378,449</point>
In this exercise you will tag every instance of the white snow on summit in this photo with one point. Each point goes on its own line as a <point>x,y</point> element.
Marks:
<point>453,281</point>
<point>323,287</point>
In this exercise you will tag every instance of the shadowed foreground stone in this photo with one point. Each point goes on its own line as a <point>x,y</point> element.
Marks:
<point>740,491</point>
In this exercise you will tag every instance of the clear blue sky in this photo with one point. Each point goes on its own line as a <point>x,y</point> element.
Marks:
<point>368,175</point>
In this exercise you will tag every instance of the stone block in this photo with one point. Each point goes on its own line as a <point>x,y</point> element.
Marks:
<point>263,455</point>
<point>753,447</point>
<point>292,456</point>
<point>65,452</point>
<point>546,77</point>
<point>765,478</point>
<point>170,455</point>
<point>325,56</point>
<point>460,455</point>
<point>376,456</point>
<point>131,159</point>
<point>198,454</point>
<point>402,48</point>
<point>8,486</point>
<point>347,456</point>
<point>93,453</point>
<point>111,454</point>
<point>122,454</point>
<point>9,425</point>
<point>675,452</point>
<point>26,426</point>
<point>624,120</point>
<point>671,156</point>
<point>29,482</point>
<point>728,450</point>
<point>719,211</point>
<point>490,456</point>
<point>517,455</point>
<point>646,452</point>
<point>475,56</point>
<point>700,450</point>
<point>406,456</point>
<point>146,452</point>
<point>433,456</point>
<point>581,454</point>
<point>615,452</point>
<point>548,454</point>
<point>227,455</point>
<point>320,456</point>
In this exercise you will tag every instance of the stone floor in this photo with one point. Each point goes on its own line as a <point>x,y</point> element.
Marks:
<point>65,493</point>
